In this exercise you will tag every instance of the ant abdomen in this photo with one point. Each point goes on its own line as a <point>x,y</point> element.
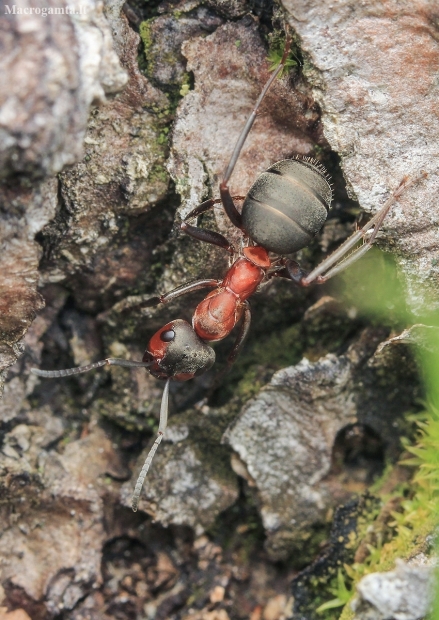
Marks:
<point>287,205</point>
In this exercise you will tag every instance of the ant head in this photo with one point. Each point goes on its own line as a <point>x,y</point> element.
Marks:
<point>176,351</point>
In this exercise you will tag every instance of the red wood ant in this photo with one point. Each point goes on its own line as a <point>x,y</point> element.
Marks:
<point>282,212</point>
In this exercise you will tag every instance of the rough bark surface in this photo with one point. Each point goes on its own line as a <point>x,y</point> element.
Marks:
<point>54,67</point>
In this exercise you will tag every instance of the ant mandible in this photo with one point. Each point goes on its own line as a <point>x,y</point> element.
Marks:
<point>282,212</point>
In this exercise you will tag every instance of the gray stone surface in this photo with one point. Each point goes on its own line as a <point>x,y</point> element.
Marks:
<point>51,500</point>
<point>406,593</point>
<point>121,177</point>
<point>190,481</point>
<point>285,436</point>
<point>26,212</point>
<point>54,68</point>
<point>373,67</point>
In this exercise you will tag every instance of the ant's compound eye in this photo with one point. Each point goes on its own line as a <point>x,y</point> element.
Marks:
<point>168,335</point>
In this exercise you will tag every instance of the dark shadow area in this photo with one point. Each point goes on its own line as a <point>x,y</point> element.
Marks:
<point>358,454</point>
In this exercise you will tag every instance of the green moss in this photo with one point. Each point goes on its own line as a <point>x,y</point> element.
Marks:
<point>414,516</point>
<point>276,50</point>
<point>185,85</point>
<point>347,613</point>
<point>146,37</point>
<point>164,115</point>
<point>154,55</point>
<point>158,174</point>
<point>122,414</point>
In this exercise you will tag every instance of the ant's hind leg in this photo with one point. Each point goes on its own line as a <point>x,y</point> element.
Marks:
<point>293,271</point>
<point>347,253</point>
<point>227,200</point>
<point>229,206</point>
<point>341,259</point>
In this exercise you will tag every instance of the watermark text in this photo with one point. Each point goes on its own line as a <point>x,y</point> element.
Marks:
<point>13,9</point>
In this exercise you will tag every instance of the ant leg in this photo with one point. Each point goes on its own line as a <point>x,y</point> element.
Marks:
<point>162,427</point>
<point>138,301</point>
<point>202,208</point>
<point>206,205</point>
<point>201,234</point>
<point>368,233</point>
<point>240,339</point>
<point>229,206</point>
<point>189,287</point>
<point>293,271</point>
<point>208,236</point>
<point>248,125</point>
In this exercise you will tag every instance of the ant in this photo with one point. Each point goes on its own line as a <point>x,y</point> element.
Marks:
<point>283,211</point>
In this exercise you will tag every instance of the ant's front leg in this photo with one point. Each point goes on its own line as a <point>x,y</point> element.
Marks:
<point>139,301</point>
<point>241,337</point>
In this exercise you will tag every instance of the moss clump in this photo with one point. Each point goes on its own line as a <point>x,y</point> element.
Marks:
<point>319,583</point>
<point>158,173</point>
<point>277,46</point>
<point>157,55</point>
<point>146,37</point>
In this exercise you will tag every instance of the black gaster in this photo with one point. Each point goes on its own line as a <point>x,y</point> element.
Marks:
<point>287,205</point>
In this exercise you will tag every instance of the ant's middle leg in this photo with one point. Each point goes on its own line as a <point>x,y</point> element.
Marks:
<point>202,234</point>
<point>188,287</point>
<point>208,236</point>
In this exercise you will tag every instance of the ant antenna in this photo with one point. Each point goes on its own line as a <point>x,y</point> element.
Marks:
<point>110,361</point>
<point>162,427</point>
